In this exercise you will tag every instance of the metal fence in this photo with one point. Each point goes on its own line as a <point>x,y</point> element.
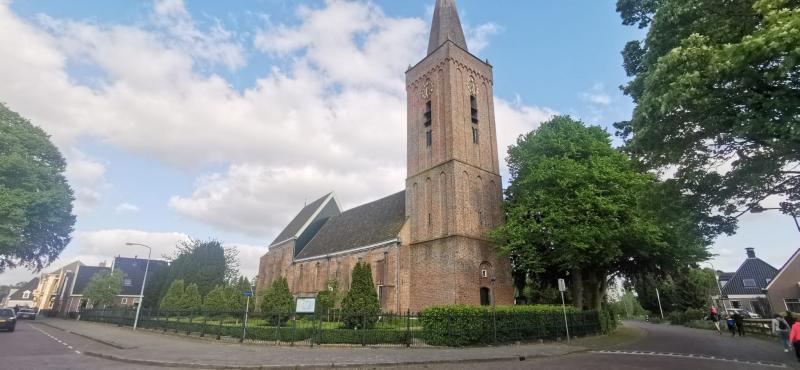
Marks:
<point>385,330</point>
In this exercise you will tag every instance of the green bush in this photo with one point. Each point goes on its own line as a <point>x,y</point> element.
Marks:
<point>461,325</point>
<point>360,306</point>
<point>366,337</point>
<point>683,317</point>
<point>277,301</point>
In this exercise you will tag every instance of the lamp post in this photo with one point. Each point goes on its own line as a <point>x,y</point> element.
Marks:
<point>758,209</point>
<point>719,287</point>
<point>144,280</point>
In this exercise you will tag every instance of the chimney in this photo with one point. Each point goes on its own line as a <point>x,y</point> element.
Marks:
<point>751,252</point>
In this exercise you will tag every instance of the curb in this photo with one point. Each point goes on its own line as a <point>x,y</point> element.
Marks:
<point>110,344</point>
<point>319,366</point>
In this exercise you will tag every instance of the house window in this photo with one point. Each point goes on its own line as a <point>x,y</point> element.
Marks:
<point>792,305</point>
<point>26,294</point>
<point>127,282</point>
<point>124,301</point>
<point>736,304</point>
<point>429,138</point>
<point>484,273</point>
<point>473,108</point>
<point>474,135</point>
<point>427,117</point>
<point>749,283</point>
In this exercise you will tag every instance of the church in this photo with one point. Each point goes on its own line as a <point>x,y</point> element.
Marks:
<point>427,244</point>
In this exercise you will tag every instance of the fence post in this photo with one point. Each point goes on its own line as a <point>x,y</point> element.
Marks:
<point>363,330</point>
<point>244,329</point>
<point>449,333</point>
<point>219,327</point>
<point>189,325</point>
<point>205,321</point>
<point>177,321</point>
<point>408,328</point>
<point>294,332</point>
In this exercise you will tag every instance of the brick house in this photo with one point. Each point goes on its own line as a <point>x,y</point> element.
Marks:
<point>51,292</point>
<point>75,301</point>
<point>427,245</point>
<point>783,291</point>
<point>22,296</point>
<point>133,271</point>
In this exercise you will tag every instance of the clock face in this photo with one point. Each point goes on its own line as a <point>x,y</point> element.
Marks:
<point>427,89</point>
<point>472,87</point>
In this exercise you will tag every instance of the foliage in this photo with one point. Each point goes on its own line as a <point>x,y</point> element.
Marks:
<point>216,300</point>
<point>687,288</point>
<point>103,287</point>
<point>578,208</point>
<point>157,284</point>
<point>628,306</point>
<point>462,325</point>
<point>237,300</point>
<point>205,263</point>
<point>36,217</point>
<point>191,298</point>
<point>173,298</point>
<point>328,299</point>
<point>360,306</point>
<point>278,301</point>
<point>716,87</point>
<point>686,316</point>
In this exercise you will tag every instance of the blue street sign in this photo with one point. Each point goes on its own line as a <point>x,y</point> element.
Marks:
<point>248,293</point>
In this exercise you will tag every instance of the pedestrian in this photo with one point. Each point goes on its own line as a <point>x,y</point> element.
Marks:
<point>789,318</point>
<point>781,328</point>
<point>738,319</point>
<point>714,317</point>
<point>794,337</point>
<point>731,325</point>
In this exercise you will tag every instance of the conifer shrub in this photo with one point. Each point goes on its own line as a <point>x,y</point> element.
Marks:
<point>360,306</point>
<point>277,302</point>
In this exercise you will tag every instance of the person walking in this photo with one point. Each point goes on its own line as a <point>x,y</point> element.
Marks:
<point>739,321</point>
<point>781,328</point>
<point>714,317</point>
<point>794,337</point>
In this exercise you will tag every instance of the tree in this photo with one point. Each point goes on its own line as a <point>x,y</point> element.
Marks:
<point>192,300</point>
<point>204,263</point>
<point>157,284</point>
<point>577,207</point>
<point>216,300</point>
<point>36,217</point>
<point>103,287</point>
<point>277,301</point>
<point>236,298</point>
<point>173,298</point>
<point>328,299</point>
<point>715,84</point>
<point>360,305</point>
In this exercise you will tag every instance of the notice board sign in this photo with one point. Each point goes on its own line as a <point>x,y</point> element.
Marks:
<point>306,305</point>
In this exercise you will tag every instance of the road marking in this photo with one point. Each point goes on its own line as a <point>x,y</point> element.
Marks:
<point>52,337</point>
<point>691,356</point>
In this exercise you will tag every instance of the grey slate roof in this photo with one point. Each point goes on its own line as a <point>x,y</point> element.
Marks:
<point>85,274</point>
<point>299,221</point>
<point>133,268</point>
<point>362,226</point>
<point>446,26</point>
<point>752,268</point>
<point>29,286</point>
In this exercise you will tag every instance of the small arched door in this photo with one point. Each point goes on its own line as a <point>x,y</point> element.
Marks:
<point>485,298</point>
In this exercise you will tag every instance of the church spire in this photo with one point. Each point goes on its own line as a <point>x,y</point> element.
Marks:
<point>446,26</point>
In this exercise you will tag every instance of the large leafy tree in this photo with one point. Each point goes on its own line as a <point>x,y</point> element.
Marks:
<point>192,300</point>
<point>216,300</point>
<point>103,287</point>
<point>576,206</point>
<point>717,90</point>
<point>205,263</point>
<point>173,299</point>
<point>35,201</point>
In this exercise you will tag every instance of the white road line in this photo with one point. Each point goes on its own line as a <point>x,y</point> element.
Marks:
<point>691,356</point>
<point>53,338</point>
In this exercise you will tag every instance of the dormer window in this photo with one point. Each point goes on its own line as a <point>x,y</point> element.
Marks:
<point>749,283</point>
<point>26,294</point>
<point>427,117</point>
<point>473,108</point>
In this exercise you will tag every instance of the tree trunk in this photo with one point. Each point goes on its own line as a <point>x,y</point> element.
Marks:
<point>577,289</point>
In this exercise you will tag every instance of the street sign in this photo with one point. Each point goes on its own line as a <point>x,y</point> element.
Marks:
<point>248,293</point>
<point>562,286</point>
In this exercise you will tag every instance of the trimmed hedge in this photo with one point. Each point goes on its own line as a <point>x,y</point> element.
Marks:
<point>461,325</point>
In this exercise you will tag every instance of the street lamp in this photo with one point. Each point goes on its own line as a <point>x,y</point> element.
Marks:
<point>719,287</point>
<point>758,209</point>
<point>144,280</point>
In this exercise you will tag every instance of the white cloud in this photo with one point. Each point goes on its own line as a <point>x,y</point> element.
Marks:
<point>478,37</point>
<point>515,119</point>
<point>127,208</point>
<point>333,119</point>
<point>597,95</point>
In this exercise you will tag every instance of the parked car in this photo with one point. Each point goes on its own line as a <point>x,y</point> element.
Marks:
<point>26,313</point>
<point>745,313</point>
<point>8,320</point>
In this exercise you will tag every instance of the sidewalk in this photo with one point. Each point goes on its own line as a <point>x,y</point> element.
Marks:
<point>153,348</point>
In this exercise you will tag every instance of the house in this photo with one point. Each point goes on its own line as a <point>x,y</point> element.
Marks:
<point>783,291</point>
<point>75,300</point>
<point>744,289</point>
<point>51,291</point>
<point>22,296</point>
<point>426,244</point>
<point>133,277</point>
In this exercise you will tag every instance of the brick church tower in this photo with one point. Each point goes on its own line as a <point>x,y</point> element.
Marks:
<point>453,189</point>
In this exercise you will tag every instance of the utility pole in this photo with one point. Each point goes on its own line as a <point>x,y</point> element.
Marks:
<point>658,296</point>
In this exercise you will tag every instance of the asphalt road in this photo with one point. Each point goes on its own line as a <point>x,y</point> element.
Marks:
<point>33,346</point>
<point>666,347</point>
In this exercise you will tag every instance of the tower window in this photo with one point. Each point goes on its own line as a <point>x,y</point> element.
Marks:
<point>429,138</point>
<point>474,135</point>
<point>427,117</point>
<point>473,108</point>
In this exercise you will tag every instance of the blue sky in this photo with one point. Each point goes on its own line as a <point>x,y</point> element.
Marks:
<point>219,120</point>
